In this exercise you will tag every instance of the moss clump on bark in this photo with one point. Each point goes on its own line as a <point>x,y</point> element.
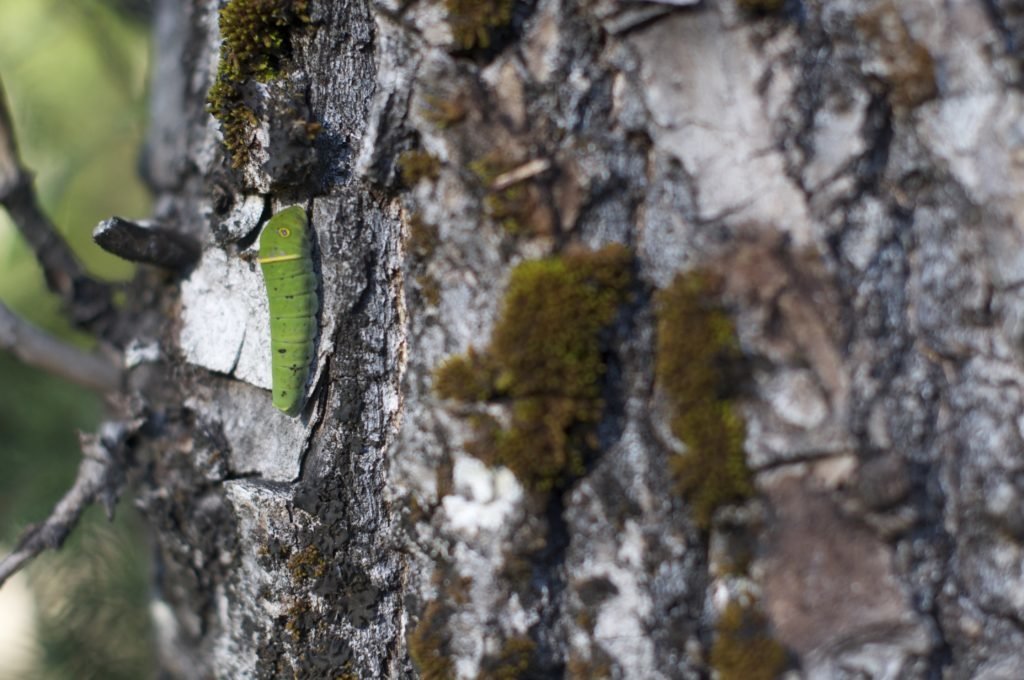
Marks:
<point>308,563</point>
<point>423,237</point>
<point>298,619</point>
<point>511,662</point>
<point>473,21</point>
<point>428,643</point>
<point>417,164</point>
<point>444,110</point>
<point>520,206</point>
<point>580,668</point>
<point>546,361</point>
<point>696,354</point>
<point>422,243</point>
<point>743,649</point>
<point>255,35</point>
<point>510,206</point>
<point>430,289</point>
<point>469,377</point>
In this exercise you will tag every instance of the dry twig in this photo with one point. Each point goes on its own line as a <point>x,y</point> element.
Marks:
<point>38,348</point>
<point>147,243</point>
<point>87,301</point>
<point>100,478</point>
<point>520,174</point>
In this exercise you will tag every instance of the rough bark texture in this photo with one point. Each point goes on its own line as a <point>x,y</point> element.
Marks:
<point>845,176</point>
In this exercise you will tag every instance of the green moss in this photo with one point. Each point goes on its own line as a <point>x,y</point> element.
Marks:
<point>297,620</point>
<point>423,237</point>
<point>546,361</point>
<point>469,377</point>
<point>417,164</point>
<point>581,668</point>
<point>428,643</point>
<point>519,207</point>
<point>422,243</point>
<point>743,649</point>
<point>697,347</point>
<point>473,21</point>
<point>511,206</point>
<point>512,661</point>
<point>430,289</point>
<point>444,111</point>
<point>255,35</point>
<point>308,563</point>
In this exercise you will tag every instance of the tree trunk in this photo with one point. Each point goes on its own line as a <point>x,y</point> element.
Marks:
<point>781,429</point>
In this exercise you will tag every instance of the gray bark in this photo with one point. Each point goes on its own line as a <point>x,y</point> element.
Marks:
<point>850,169</point>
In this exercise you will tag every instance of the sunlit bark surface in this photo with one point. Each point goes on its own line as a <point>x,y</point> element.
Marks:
<point>835,187</point>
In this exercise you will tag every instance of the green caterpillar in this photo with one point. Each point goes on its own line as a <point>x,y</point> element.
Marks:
<point>286,259</point>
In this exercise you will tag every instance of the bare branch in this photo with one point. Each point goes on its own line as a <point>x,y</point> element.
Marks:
<point>88,301</point>
<point>38,348</point>
<point>100,478</point>
<point>147,243</point>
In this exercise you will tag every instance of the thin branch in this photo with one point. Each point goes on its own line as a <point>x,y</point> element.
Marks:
<point>100,478</point>
<point>520,174</point>
<point>88,301</point>
<point>38,348</point>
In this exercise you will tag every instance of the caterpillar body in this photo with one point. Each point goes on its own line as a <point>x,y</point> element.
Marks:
<point>286,258</point>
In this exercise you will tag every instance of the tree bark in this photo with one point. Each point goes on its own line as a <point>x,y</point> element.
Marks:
<point>820,204</point>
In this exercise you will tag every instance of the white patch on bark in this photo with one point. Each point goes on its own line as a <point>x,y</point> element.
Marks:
<point>244,217</point>
<point>484,498</point>
<point>622,620</point>
<point>701,88</point>
<point>225,326</point>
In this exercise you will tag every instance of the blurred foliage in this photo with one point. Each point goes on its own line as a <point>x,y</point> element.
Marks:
<point>74,73</point>
<point>39,420</point>
<point>90,596</point>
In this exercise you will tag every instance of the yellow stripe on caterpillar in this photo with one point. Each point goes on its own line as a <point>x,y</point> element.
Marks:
<point>278,258</point>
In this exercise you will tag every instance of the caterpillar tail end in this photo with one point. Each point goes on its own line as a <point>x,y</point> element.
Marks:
<point>289,404</point>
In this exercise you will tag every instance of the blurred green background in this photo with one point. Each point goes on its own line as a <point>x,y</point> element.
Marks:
<point>75,75</point>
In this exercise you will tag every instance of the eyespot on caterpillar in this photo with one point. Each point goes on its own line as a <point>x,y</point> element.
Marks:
<point>286,259</point>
